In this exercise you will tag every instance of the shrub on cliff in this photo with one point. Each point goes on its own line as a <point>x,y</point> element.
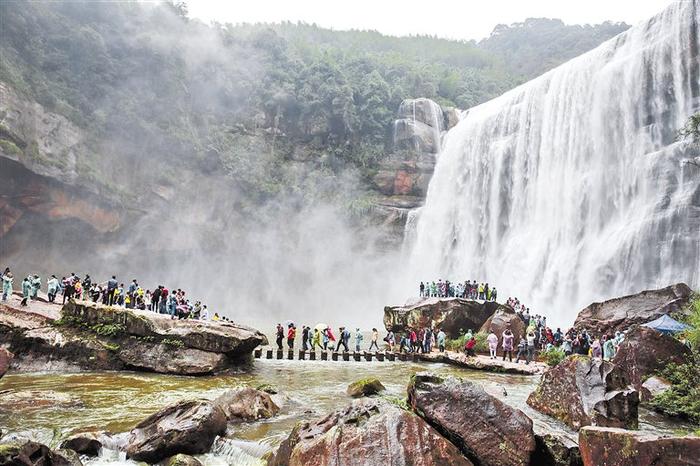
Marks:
<point>458,343</point>
<point>553,356</point>
<point>682,399</point>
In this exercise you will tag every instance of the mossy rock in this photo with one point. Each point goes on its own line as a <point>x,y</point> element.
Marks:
<point>181,460</point>
<point>267,388</point>
<point>365,387</point>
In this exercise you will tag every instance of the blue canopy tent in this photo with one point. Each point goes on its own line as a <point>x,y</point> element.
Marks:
<point>666,324</point>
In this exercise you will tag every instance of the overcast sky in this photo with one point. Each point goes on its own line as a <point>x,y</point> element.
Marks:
<point>456,19</point>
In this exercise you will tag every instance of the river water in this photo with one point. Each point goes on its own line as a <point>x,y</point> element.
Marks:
<point>48,407</point>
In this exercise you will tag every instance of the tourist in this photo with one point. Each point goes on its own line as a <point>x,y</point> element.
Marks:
<point>291,335</point>
<point>608,348</point>
<point>26,290</point>
<point>36,286</point>
<point>421,289</point>
<point>530,347</point>
<point>205,313</point>
<point>111,289</point>
<point>316,340</point>
<point>522,350</point>
<point>469,346</point>
<point>413,340</point>
<point>304,338</point>
<point>344,339</point>
<point>468,335</point>
<point>326,339</point>
<point>492,340</point>
<point>78,290</point>
<point>494,294</point>
<point>7,279</point>
<point>441,337</point>
<point>280,336</point>
<point>507,344</point>
<point>52,288</point>
<point>373,343</point>
<point>216,317</point>
<point>390,340</point>
<point>596,350</point>
<point>566,346</point>
<point>428,340</point>
<point>358,339</point>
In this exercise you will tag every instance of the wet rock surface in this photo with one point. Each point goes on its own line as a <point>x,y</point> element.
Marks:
<point>29,453</point>
<point>246,404</point>
<point>486,430</point>
<point>369,431</point>
<point>618,447</point>
<point>453,315</point>
<point>188,427</point>
<point>88,443</point>
<point>644,352</point>
<point>621,313</point>
<point>581,391</point>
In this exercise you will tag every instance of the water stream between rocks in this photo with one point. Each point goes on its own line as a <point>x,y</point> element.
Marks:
<point>49,407</point>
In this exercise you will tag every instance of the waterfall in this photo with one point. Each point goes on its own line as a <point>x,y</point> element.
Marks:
<point>571,188</point>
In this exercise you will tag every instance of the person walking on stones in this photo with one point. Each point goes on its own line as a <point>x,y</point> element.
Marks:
<point>421,289</point>
<point>343,341</point>
<point>373,343</point>
<point>305,338</point>
<point>469,347</point>
<point>358,340</point>
<point>280,336</point>
<point>291,335</point>
<point>507,344</point>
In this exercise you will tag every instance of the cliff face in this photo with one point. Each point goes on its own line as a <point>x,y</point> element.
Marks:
<point>40,176</point>
<point>403,177</point>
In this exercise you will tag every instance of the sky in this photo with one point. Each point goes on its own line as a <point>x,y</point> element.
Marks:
<point>456,19</point>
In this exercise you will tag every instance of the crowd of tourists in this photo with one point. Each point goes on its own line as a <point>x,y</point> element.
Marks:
<point>468,290</point>
<point>110,292</point>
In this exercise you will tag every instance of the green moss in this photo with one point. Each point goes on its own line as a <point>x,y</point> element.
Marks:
<point>173,342</point>
<point>9,147</point>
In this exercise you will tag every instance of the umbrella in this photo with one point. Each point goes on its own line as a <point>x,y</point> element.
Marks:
<point>321,327</point>
<point>666,324</point>
<point>287,323</point>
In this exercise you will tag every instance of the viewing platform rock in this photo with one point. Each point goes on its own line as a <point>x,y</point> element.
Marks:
<point>85,336</point>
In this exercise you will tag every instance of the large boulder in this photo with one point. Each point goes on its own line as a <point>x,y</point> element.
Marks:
<point>90,336</point>
<point>29,453</point>
<point>453,315</point>
<point>556,449</point>
<point>181,460</point>
<point>486,430</point>
<point>369,431</point>
<point>601,446</point>
<point>644,352</point>
<point>621,313</point>
<point>188,427</point>
<point>5,358</point>
<point>504,318</point>
<point>246,404</point>
<point>415,136</point>
<point>365,387</point>
<point>88,443</point>
<point>581,391</point>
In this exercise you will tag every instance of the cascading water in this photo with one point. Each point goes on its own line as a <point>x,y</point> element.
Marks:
<point>571,188</point>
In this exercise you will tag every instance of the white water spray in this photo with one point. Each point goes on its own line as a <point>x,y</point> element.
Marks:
<point>571,188</point>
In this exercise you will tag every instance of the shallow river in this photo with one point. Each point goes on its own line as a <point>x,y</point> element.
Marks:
<point>48,407</point>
